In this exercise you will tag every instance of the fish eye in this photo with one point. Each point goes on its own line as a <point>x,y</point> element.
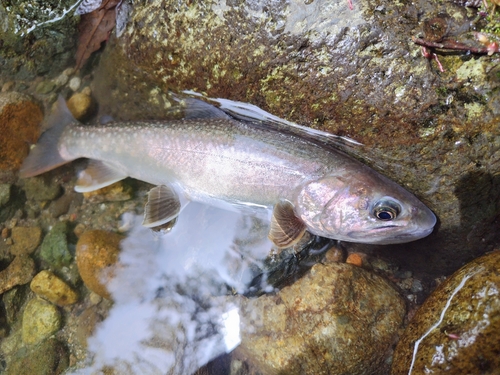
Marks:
<point>386,210</point>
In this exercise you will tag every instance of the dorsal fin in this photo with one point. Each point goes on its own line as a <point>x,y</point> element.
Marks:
<point>198,109</point>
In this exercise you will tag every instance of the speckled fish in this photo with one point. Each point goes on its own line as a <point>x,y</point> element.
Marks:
<point>214,158</point>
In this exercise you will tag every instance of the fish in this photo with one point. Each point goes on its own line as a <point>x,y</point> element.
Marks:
<point>240,164</point>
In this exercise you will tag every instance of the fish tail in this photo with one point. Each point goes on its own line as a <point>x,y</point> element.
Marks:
<point>45,155</point>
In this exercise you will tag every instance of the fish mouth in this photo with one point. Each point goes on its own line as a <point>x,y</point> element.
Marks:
<point>383,236</point>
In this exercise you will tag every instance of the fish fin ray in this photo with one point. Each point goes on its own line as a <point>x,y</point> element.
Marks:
<point>45,155</point>
<point>97,175</point>
<point>198,109</point>
<point>163,205</point>
<point>286,228</point>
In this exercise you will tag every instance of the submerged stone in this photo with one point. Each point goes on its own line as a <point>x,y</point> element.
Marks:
<point>13,301</point>
<point>80,105</point>
<point>47,285</point>
<point>40,189</point>
<point>456,330</point>
<point>41,319</point>
<point>54,249</point>
<point>338,319</point>
<point>48,358</point>
<point>25,240</point>
<point>20,271</point>
<point>96,252</point>
<point>20,119</point>
<point>4,194</point>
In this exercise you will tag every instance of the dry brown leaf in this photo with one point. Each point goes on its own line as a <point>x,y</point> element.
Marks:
<point>94,28</point>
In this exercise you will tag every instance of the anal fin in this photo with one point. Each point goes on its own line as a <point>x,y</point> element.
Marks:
<point>286,228</point>
<point>97,175</point>
<point>163,206</point>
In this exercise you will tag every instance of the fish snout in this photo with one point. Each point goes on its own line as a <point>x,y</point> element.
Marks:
<point>424,218</point>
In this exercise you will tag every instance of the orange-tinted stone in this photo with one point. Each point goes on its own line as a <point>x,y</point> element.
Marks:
<point>20,119</point>
<point>96,253</point>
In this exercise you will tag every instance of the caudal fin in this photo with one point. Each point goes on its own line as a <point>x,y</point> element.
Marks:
<point>45,155</point>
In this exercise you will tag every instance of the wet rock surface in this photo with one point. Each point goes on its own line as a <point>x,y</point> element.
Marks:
<point>47,285</point>
<point>456,330</point>
<point>80,105</point>
<point>48,358</point>
<point>41,319</point>
<point>49,49</point>
<point>338,319</point>
<point>54,248</point>
<point>40,188</point>
<point>96,252</point>
<point>19,272</point>
<point>20,119</point>
<point>13,301</point>
<point>4,194</point>
<point>25,240</point>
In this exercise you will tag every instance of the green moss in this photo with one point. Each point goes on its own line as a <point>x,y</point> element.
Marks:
<point>492,19</point>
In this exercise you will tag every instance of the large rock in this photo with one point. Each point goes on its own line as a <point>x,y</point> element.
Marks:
<point>456,330</point>
<point>350,72</point>
<point>338,319</point>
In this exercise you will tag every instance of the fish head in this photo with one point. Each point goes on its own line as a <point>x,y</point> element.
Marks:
<point>364,208</point>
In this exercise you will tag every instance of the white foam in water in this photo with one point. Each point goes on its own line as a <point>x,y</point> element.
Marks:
<point>165,319</point>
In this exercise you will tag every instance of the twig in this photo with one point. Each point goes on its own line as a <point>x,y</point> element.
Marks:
<point>453,45</point>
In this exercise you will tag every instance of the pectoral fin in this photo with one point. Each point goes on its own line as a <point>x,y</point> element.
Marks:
<point>286,228</point>
<point>97,175</point>
<point>163,206</point>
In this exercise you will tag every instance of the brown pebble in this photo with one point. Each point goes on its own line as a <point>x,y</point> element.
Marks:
<point>355,259</point>
<point>335,254</point>
<point>25,240</point>
<point>8,86</point>
<point>5,233</point>
<point>96,252</point>
<point>47,285</point>
<point>80,105</point>
<point>79,229</point>
<point>20,271</point>
<point>61,205</point>
<point>86,324</point>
